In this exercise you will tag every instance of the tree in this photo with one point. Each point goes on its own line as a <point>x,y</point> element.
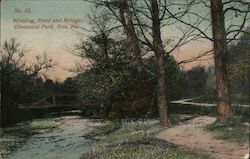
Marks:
<point>197,77</point>
<point>150,16</point>
<point>224,109</point>
<point>160,62</point>
<point>239,68</point>
<point>19,80</point>
<point>239,63</point>
<point>222,35</point>
<point>110,60</point>
<point>121,11</point>
<point>128,25</point>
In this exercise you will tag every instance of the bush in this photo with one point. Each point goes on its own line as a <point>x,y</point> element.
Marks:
<point>11,112</point>
<point>133,101</point>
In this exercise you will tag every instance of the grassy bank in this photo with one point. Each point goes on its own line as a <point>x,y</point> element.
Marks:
<point>235,130</point>
<point>135,140</point>
<point>12,137</point>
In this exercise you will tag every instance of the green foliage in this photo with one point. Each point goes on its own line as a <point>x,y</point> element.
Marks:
<point>112,82</point>
<point>197,78</point>
<point>131,131</point>
<point>176,118</point>
<point>240,98</point>
<point>210,86</point>
<point>11,114</point>
<point>98,82</point>
<point>104,129</point>
<point>239,68</point>
<point>239,73</point>
<point>140,151</point>
<point>21,82</point>
<point>133,101</point>
<point>42,124</point>
<point>175,78</point>
<point>233,130</point>
<point>8,144</point>
<point>110,70</point>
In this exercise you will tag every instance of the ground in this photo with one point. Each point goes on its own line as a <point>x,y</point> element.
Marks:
<point>135,140</point>
<point>193,135</point>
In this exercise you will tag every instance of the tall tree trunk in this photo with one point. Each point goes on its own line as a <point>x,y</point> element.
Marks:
<point>128,25</point>
<point>221,60</point>
<point>161,62</point>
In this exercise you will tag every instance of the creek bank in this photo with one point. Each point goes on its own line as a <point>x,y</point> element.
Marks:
<point>14,136</point>
<point>57,137</point>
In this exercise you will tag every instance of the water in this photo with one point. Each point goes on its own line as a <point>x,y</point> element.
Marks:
<point>64,141</point>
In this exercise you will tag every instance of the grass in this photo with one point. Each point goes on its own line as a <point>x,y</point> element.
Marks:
<point>12,137</point>
<point>8,143</point>
<point>130,131</point>
<point>134,140</point>
<point>176,118</point>
<point>142,151</point>
<point>233,130</point>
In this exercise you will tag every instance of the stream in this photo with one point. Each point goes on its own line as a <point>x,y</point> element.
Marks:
<point>65,140</point>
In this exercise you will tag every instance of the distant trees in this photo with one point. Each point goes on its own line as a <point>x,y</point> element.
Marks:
<point>239,68</point>
<point>210,86</point>
<point>238,71</point>
<point>239,54</point>
<point>20,81</point>
<point>175,78</point>
<point>16,73</point>
<point>196,78</point>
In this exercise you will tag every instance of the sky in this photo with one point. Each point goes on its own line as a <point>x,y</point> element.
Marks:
<point>56,42</point>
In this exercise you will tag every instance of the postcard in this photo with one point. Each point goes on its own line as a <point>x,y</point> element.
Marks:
<point>124,79</point>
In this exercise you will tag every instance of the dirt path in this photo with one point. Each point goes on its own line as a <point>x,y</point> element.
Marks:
<point>192,136</point>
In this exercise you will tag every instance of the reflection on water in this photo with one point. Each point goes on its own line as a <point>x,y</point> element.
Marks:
<point>65,141</point>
